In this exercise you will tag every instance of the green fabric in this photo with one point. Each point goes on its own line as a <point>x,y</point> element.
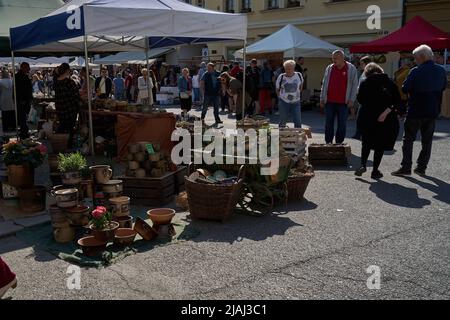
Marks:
<point>41,237</point>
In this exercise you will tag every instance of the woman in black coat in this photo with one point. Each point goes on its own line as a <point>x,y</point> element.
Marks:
<point>377,119</point>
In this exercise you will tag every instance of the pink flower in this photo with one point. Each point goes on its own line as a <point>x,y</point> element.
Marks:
<point>97,214</point>
<point>102,209</point>
<point>42,149</point>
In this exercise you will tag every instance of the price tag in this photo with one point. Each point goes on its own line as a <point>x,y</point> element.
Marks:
<point>150,149</point>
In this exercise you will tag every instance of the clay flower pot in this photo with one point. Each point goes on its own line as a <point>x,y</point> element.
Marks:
<point>20,175</point>
<point>161,216</point>
<point>78,216</point>
<point>145,230</point>
<point>124,222</point>
<point>124,236</point>
<point>91,246</point>
<point>105,234</point>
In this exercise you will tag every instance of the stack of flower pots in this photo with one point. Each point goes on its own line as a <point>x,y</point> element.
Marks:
<point>143,164</point>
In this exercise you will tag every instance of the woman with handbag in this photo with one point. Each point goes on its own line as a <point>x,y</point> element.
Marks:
<point>185,88</point>
<point>145,86</point>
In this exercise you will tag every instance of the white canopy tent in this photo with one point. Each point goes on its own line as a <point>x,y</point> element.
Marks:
<point>133,57</point>
<point>292,42</point>
<point>80,62</point>
<point>99,26</point>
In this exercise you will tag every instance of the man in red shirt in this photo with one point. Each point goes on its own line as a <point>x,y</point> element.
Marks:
<point>128,85</point>
<point>339,90</point>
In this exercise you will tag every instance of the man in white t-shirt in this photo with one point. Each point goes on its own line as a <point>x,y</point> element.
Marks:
<point>289,87</point>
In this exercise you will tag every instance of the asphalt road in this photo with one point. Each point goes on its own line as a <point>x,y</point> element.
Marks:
<point>319,249</point>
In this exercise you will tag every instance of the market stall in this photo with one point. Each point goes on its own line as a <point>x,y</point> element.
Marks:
<point>415,33</point>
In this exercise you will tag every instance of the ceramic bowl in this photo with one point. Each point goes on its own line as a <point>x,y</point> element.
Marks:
<point>91,246</point>
<point>124,236</point>
<point>161,216</point>
<point>113,186</point>
<point>144,230</point>
<point>124,222</point>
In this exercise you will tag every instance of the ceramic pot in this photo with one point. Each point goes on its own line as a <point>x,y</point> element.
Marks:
<point>124,222</point>
<point>113,186</point>
<point>64,235</point>
<point>102,174</point>
<point>130,157</point>
<point>91,246</point>
<point>124,236</point>
<point>20,175</point>
<point>106,234</point>
<point>155,157</point>
<point>161,216</point>
<point>78,216</point>
<point>139,157</point>
<point>133,165</point>
<point>111,195</point>
<point>66,198</point>
<point>87,189</point>
<point>71,177</point>
<point>120,206</point>
<point>145,230</point>
<point>133,148</point>
<point>143,146</point>
<point>140,173</point>
<point>33,199</point>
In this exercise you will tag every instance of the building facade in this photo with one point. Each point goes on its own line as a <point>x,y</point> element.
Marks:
<point>436,12</point>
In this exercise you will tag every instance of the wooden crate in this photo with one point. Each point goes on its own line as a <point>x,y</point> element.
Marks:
<point>150,191</point>
<point>293,141</point>
<point>329,155</point>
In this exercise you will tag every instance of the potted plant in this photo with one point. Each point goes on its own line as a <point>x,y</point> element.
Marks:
<point>21,158</point>
<point>103,229</point>
<point>71,166</point>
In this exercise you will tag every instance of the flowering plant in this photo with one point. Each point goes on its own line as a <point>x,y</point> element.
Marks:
<point>101,217</point>
<point>25,151</point>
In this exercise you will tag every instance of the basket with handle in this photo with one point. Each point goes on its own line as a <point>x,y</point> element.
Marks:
<point>297,186</point>
<point>211,201</point>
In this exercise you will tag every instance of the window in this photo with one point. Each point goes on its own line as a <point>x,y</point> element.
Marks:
<point>188,1</point>
<point>273,4</point>
<point>292,3</point>
<point>246,6</point>
<point>229,6</point>
<point>201,3</point>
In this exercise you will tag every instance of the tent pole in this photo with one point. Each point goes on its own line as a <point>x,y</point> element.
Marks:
<point>445,58</point>
<point>88,80</point>
<point>244,56</point>
<point>148,70</point>
<point>14,87</point>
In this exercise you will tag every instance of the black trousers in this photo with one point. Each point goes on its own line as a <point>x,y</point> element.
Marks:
<point>426,128</point>
<point>9,121</point>
<point>23,109</point>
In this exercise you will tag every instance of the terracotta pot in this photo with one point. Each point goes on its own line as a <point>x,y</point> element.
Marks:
<point>91,246</point>
<point>64,235</point>
<point>57,214</point>
<point>20,175</point>
<point>102,174</point>
<point>106,234</point>
<point>111,195</point>
<point>155,157</point>
<point>33,199</point>
<point>124,222</point>
<point>133,165</point>
<point>71,177</point>
<point>161,216</point>
<point>145,230</point>
<point>124,236</point>
<point>78,216</point>
<point>113,186</point>
<point>120,206</point>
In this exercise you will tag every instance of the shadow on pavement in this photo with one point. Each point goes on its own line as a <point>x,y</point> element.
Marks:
<point>396,194</point>
<point>440,188</point>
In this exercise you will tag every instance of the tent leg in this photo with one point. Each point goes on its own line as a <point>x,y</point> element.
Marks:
<point>244,78</point>
<point>14,88</point>
<point>148,70</point>
<point>88,79</point>
<point>445,58</point>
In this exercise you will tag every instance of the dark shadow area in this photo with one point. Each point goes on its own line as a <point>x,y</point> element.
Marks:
<point>243,227</point>
<point>440,188</point>
<point>396,194</point>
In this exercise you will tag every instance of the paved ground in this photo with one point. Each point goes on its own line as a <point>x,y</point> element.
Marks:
<point>314,250</point>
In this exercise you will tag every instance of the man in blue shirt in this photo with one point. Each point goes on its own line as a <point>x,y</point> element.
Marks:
<point>211,91</point>
<point>119,87</point>
<point>425,85</point>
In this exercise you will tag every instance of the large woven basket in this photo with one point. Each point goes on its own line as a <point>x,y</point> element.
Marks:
<point>213,202</point>
<point>297,187</point>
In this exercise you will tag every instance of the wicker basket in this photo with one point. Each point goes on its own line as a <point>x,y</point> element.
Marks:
<point>297,187</point>
<point>213,202</point>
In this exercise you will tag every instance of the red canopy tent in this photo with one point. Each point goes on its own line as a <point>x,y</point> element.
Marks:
<point>415,33</point>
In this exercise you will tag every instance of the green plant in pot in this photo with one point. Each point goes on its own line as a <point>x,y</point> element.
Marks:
<point>103,229</point>
<point>71,166</point>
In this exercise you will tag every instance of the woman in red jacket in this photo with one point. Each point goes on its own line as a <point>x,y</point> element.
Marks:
<point>7,278</point>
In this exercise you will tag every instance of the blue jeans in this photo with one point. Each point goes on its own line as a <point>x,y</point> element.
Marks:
<point>214,102</point>
<point>285,109</point>
<point>196,94</point>
<point>333,110</point>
